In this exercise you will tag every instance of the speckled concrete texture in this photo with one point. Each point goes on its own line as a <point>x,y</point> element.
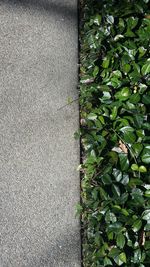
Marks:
<point>39,184</point>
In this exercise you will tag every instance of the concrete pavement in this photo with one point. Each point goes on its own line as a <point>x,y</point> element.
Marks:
<point>39,184</point>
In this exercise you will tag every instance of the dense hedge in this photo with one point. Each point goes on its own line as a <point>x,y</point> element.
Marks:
<point>115,132</point>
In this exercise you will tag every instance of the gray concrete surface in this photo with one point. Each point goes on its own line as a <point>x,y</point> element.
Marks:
<point>39,184</point>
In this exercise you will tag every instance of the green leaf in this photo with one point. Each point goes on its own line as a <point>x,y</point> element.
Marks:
<point>146,155</point>
<point>110,19</point>
<point>113,115</point>
<point>146,68</point>
<point>129,137</point>
<point>86,79</point>
<point>115,82</point>
<point>125,212</point>
<point>113,157</point>
<point>147,193</point>
<point>135,98</point>
<point>110,217</point>
<point>95,193</point>
<point>125,179</point>
<point>146,215</point>
<point>129,33</point>
<point>146,126</point>
<point>122,257</point>
<point>97,19</point>
<point>118,261</point>
<point>118,36</point>
<point>147,227</point>
<point>142,51</point>
<point>127,129</point>
<point>137,148</point>
<point>110,235</point>
<point>136,67</point>
<point>117,174</point>
<point>137,225</point>
<point>134,182</point>
<point>134,167</point>
<point>114,252</point>
<point>147,245</point>
<point>103,194</point>
<point>137,196</point>
<point>132,22</point>
<point>104,88</point>
<point>146,99</point>
<point>138,120</point>
<point>143,88</point>
<point>106,179</point>
<point>77,135</point>
<point>142,169</point>
<point>126,68</point>
<point>123,94</point>
<point>107,261</point>
<point>137,256</point>
<point>116,207</point>
<point>92,116</point>
<point>117,74</point>
<point>116,191</point>
<point>120,240</point>
<point>106,98</point>
<point>130,105</point>
<point>105,63</point>
<point>140,133</point>
<point>124,162</point>
<point>95,71</point>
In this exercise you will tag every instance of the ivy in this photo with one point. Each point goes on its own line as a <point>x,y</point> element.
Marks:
<point>115,132</point>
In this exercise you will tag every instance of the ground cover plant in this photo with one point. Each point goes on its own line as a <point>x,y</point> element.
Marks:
<point>115,132</point>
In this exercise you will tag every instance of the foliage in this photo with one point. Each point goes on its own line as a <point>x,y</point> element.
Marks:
<point>115,132</point>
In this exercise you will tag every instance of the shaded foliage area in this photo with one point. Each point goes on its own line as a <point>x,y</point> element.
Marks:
<point>115,132</point>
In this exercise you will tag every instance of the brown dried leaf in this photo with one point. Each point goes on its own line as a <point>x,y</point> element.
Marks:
<point>123,147</point>
<point>142,238</point>
<point>147,16</point>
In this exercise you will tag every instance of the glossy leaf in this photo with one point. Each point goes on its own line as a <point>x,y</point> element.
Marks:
<point>95,71</point>
<point>137,225</point>
<point>105,63</point>
<point>142,169</point>
<point>115,126</point>
<point>146,215</point>
<point>134,167</point>
<point>124,162</point>
<point>116,191</point>
<point>123,94</point>
<point>97,19</point>
<point>123,257</point>
<point>146,68</point>
<point>129,137</point>
<point>126,68</point>
<point>137,148</point>
<point>120,240</point>
<point>117,174</point>
<point>107,262</point>
<point>127,129</point>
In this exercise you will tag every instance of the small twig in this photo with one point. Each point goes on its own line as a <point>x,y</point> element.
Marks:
<point>68,104</point>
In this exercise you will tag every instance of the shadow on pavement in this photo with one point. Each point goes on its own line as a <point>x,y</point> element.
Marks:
<point>68,11</point>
